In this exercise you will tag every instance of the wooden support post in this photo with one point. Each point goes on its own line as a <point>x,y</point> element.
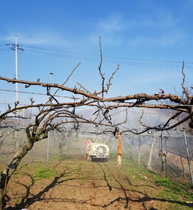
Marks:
<point>163,156</point>
<point>119,158</point>
<point>139,151</point>
<point>188,157</point>
<point>151,153</point>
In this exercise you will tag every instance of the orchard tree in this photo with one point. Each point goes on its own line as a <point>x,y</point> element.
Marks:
<point>53,115</point>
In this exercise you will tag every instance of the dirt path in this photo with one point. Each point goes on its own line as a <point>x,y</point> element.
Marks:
<point>83,185</point>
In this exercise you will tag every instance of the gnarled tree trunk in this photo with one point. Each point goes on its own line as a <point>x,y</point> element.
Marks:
<point>7,173</point>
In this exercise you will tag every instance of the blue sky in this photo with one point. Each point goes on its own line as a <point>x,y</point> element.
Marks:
<point>148,38</point>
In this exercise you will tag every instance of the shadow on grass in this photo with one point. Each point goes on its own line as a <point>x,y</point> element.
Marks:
<point>28,199</point>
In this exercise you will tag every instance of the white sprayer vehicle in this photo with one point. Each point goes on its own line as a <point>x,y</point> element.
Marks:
<point>96,151</point>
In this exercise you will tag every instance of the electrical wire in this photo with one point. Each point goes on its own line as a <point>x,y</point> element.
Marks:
<point>36,93</point>
<point>111,59</point>
<point>106,59</point>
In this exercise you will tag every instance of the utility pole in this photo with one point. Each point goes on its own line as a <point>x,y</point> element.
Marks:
<point>51,76</point>
<point>16,72</point>
<point>15,47</point>
<point>48,139</point>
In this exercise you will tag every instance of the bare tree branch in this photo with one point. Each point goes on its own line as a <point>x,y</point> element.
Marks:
<point>100,68</point>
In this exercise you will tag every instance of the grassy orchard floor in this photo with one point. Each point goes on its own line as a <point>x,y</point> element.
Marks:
<point>74,183</point>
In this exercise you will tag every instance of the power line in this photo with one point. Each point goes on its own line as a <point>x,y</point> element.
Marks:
<point>93,55</point>
<point>36,93</point>
<point>109,57</point>
<point>106,59</point>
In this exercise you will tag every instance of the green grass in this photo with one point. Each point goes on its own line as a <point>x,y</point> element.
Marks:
<point>47,173</point>
<point>60,158</point>
<point>175,190</point>
<point>169,190</point>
